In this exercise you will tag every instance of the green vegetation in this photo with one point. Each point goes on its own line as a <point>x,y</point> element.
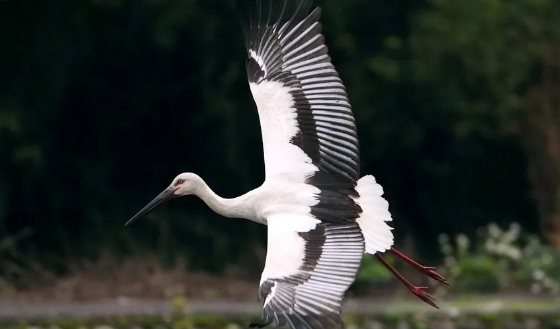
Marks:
<point>395,319</point>
<point>501,262</point>
<point>494,261</point>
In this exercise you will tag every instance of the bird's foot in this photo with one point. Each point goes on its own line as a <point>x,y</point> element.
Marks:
<point>423,295</point>
<point>431,272</point>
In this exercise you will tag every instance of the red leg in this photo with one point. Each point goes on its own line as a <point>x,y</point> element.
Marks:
<point>418,291</point>
<point>428,270</point>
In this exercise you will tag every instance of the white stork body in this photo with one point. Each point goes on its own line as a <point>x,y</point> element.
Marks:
<point>321,215</point>
<point>310,263</point>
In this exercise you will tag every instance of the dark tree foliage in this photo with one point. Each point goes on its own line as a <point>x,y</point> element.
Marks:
<point>103,102</point>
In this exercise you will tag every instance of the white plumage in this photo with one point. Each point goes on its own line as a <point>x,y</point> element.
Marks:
<point>283,231</point>
<point>278,121</point>
<point>321,215</point>
<point>375,214</point>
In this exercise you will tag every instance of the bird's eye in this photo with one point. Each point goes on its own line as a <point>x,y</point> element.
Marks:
<point>179,182</point>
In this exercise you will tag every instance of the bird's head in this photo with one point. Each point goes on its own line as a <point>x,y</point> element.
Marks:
<point>183,184</point>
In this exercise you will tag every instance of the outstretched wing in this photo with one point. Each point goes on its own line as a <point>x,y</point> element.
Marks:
<point>306,120</point>
<point>309,267</point>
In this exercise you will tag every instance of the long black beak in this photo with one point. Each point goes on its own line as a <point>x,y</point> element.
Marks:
<point>166,195</point>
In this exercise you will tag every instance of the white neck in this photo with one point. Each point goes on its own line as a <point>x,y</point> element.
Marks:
<point>226,207</point>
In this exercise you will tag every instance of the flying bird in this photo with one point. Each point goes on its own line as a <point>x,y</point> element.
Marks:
<point>321,216</point>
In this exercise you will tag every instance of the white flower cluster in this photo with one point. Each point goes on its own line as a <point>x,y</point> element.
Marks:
<point>503,243</point>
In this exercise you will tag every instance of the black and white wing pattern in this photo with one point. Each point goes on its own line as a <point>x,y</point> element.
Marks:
<point>309,267</point>
<point>306,120</point>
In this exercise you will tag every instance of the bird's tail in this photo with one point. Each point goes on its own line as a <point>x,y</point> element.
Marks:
<point>375,215</point>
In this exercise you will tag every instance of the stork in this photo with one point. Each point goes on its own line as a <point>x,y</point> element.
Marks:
<point>321,216</point>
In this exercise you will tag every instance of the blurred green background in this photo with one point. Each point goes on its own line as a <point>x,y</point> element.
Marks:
<point>103,102</point>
